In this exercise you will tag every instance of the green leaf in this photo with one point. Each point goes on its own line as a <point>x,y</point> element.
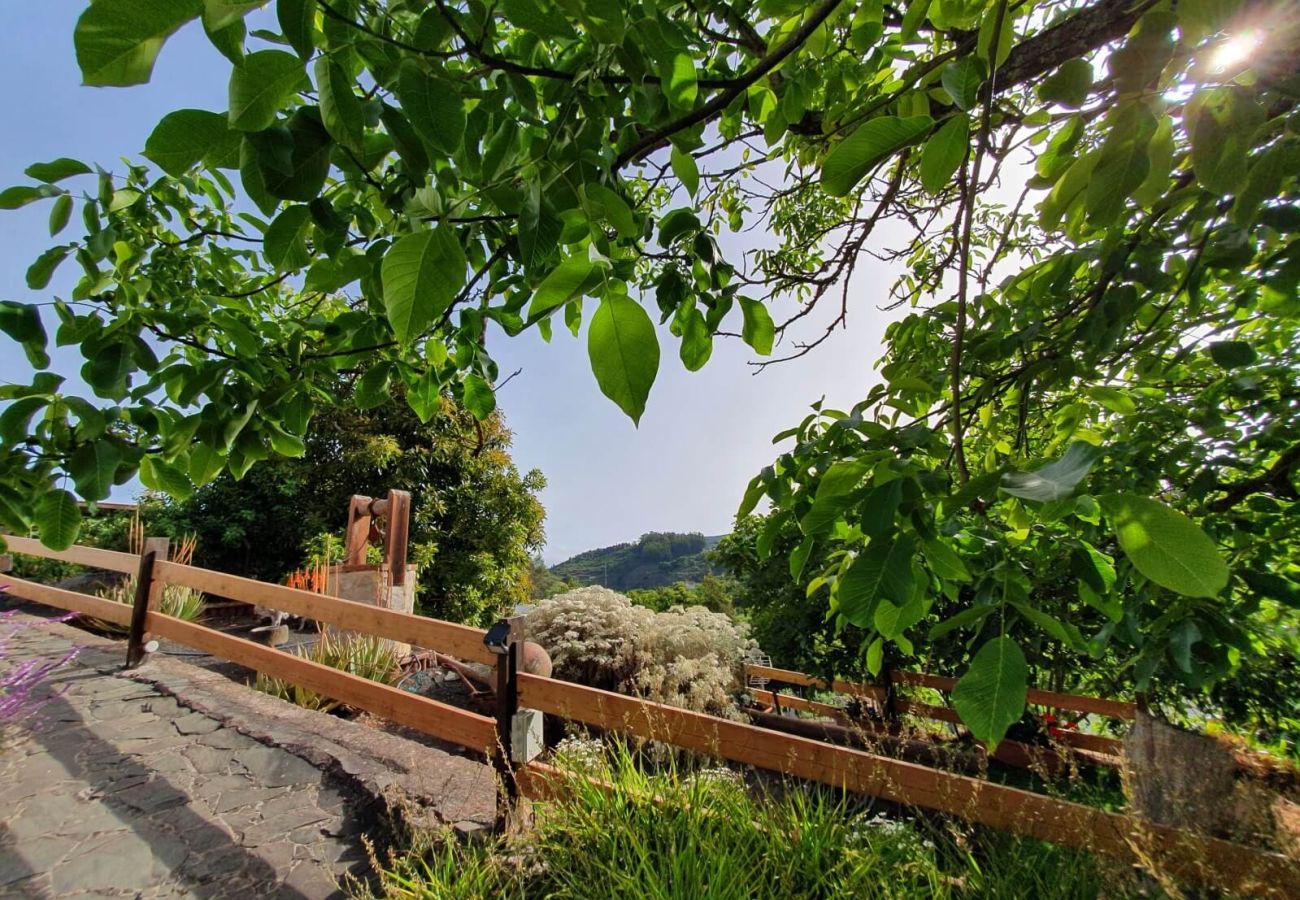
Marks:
<point>697,341</point>
<point>679,81</point>
<point>834,493</point>
<point>1221,123</point>
<point>534,17</point>
<point>21,194</point>
<point>16,419</point>
<point>340,107</point>
<point>117,41</point>
<point>56,170</point>
<point>93,467</point>
<point>284,244</point>
<point>297,20</point>
<point>566,281</point>
<point>757,330</point>
<point>1069,85</point>
<point>41,271</point>
<point>58,519</point>
<point>539,230</point>
<point>969,616</point>
<point>479,397</point>
<point>262,86</point>
<point>425,396</point>
<point>1056,479</point>
<point>218,14</point>
<point>294,162</point>
<point>60,214</point>
<point>1233,354</point>
<point>160,475</point>
<point>1166,546</point>
<point>183,139</point>
<point>624,352</point>
<point>205,463</point>
<point>962,80</point>
<point>613,209</point>
<point>686,170</point>
<point>753,493</point>
<point>875,656</point>
<point>372,387</point>
<point>435,110</point>
<point>799,557</point>
<point>604,19</point>
<point>943,154</point>
<point>944,561</point>
<point>851,159</point>
<point>990,697</point>
<point>228,39</point>
<point>882,572</point>
<point>22,323</point>
<point>421,274</point>
<point>677,223</point>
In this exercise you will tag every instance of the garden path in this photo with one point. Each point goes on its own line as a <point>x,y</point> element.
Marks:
<point>124,788</point>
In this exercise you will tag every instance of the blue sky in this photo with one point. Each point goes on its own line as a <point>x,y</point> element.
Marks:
<point>702,437</point>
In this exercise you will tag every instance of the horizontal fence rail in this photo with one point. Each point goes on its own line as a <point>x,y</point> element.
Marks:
<point>456,640</point>
<point>92,557</point>
<point>117,613</point>
<point>1232,866</point>
<point>450,723</point>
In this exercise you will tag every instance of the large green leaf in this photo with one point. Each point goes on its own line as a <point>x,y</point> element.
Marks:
<point>882,572</point>
<point>294,161</point>
<point>57,169</point>
<point>184,138</point>
<point>990,697</point>
<point>537,17</point>
<point>433,107</point>
<point>1069,85</point>
<point>834,493</point>
<point>539,230</point>
<point>340,108</point>
<point>1221,123</point>
<point>298,23</point>
<point>1166,546</point>
<point>93,467</point>
<point>680,81</point>
<point>624,352</point>
<point>962,80</point>
<point>284,244</point>
<point>262,86</point>
<point>59,519</point>
<point>697,341</point>
<point>478,396</point>
<point>117,41</point>
<point>943,153</point>
<point>757,329</point>
<point>566,281</point>
<point>421,274</point>
<point>1055,480</point>
<point>861,151</point>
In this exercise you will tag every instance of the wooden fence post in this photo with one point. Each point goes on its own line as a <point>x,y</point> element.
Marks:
<point>146,598</point>
<point>504,639</point>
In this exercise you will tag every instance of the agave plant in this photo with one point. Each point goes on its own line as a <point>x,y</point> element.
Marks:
<point>177,601</point>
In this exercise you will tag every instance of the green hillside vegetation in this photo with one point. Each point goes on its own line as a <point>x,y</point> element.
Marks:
<point>656,559</point>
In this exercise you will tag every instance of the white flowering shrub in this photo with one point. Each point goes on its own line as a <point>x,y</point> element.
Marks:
<point>686,657</point>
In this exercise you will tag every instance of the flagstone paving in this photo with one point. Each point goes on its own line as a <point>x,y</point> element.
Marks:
<point>120,790</point>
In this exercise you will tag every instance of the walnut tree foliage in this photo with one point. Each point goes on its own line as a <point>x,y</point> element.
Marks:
<point>1085,429</point>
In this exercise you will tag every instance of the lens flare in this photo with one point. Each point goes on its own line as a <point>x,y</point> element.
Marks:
<point>1236,51</point>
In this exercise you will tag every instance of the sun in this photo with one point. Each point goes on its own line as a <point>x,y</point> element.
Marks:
<point>1235,51</point>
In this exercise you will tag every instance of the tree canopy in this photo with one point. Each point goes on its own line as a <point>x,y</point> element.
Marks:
<point>1089,409</point>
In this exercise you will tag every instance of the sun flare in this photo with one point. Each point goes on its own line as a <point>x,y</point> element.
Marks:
<point>1236,51</point>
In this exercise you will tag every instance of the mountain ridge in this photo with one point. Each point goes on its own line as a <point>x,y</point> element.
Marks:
<point>656,559</point>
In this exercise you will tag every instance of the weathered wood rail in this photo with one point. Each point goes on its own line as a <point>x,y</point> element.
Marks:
<point>1183,854</point>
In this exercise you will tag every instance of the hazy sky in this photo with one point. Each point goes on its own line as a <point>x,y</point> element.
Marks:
<point>703,435</point>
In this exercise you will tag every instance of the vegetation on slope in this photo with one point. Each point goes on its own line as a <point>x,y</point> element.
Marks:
<point>656,559</point>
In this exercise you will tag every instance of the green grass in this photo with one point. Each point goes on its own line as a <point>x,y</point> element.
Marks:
<point>706,835</point>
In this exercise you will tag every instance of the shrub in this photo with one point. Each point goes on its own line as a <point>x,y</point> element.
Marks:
<point>687,657</point>
<point>363,655</point>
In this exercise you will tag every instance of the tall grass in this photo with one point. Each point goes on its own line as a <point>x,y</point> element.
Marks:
<point>175,600</point>
<point>707,835</point>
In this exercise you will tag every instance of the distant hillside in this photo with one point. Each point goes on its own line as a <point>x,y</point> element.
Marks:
<point>656,560</point>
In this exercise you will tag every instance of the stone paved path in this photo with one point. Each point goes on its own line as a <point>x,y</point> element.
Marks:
<point>121,791</point>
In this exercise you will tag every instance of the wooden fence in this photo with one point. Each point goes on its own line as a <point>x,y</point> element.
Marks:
<point>1231,866</point>
<point>1109,749</point>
